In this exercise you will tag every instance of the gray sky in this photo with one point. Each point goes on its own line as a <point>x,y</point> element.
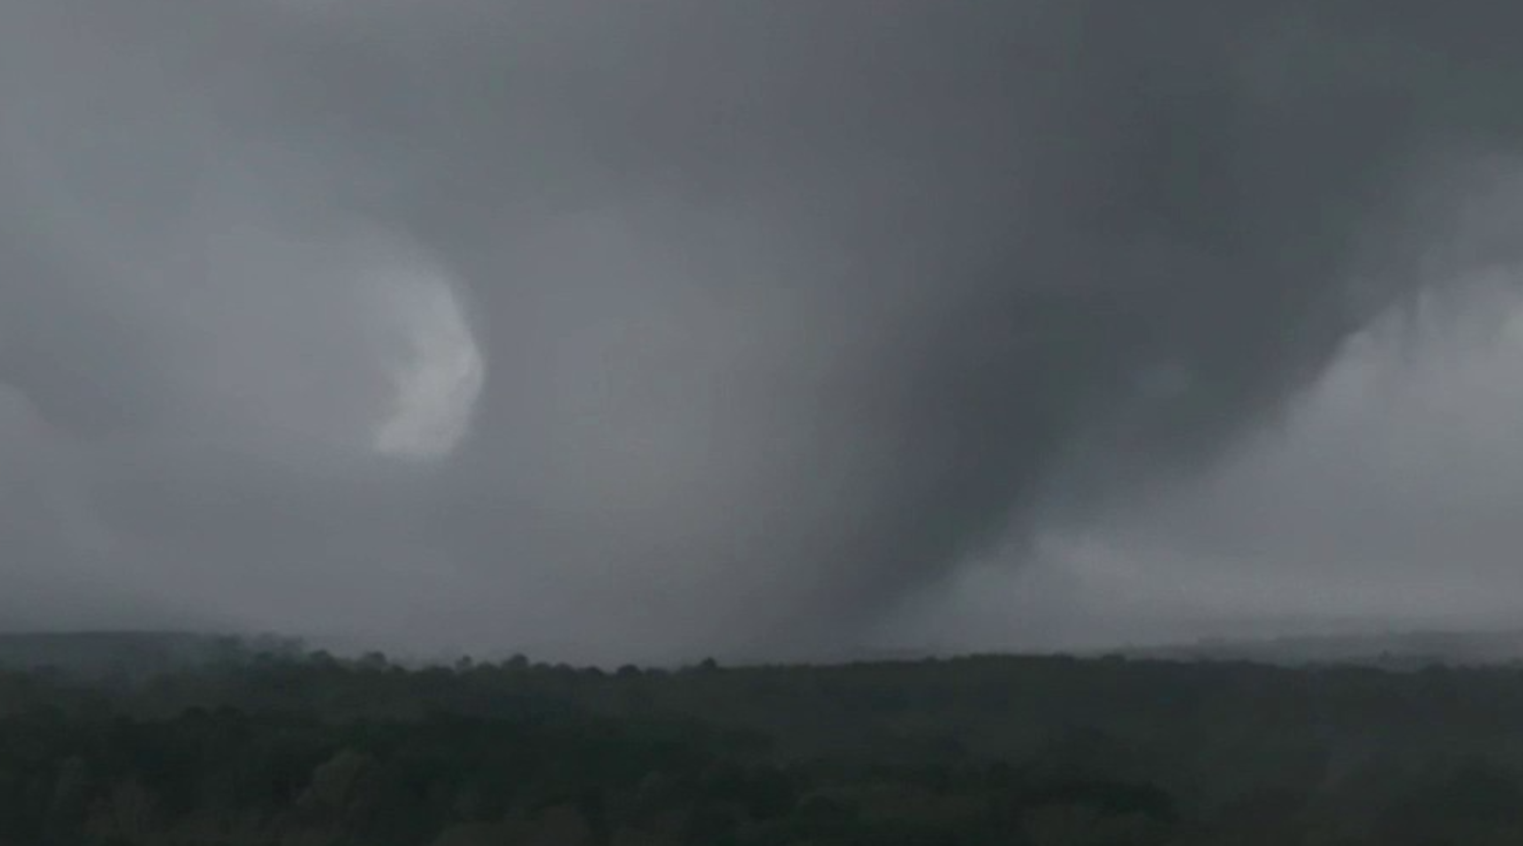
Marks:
<point>640,330</point>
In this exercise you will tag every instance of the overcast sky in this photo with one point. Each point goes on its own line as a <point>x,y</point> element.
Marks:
<point>643,330</point>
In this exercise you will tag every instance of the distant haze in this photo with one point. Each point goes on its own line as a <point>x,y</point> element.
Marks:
<point>620,330</point>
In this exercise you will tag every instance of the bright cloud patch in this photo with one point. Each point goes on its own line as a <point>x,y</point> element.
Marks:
<point>441,374</point>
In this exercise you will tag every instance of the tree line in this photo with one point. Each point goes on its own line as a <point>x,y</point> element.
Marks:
<point>306,749</point>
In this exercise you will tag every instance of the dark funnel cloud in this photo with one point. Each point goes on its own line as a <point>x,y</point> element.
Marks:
<point>648,329</point>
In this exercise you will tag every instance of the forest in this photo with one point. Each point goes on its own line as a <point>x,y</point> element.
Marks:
<point>300,748</point>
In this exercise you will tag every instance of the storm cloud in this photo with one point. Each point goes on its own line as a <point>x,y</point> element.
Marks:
<point>645,329</point>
